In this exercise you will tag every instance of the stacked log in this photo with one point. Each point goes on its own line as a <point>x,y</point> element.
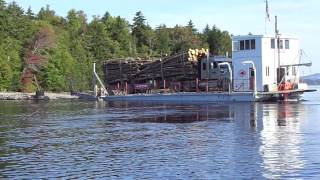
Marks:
<point>180,67</point>
<point>122,69</point>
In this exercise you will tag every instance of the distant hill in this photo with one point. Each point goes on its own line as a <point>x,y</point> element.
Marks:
<point>313,79</point>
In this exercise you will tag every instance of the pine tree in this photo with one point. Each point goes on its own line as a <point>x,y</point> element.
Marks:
<point>142,34</point>
<point>30,14</point>
<point>191,27</point>
<point>2,5</point>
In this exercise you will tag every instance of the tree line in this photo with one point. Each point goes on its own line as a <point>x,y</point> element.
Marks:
<point>56,53</point>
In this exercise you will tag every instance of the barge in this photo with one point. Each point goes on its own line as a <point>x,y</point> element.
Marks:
<point>213,96</point>
<point>262,68</point>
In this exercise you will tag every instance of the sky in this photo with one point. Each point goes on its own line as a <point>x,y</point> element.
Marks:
<point>295,17</point>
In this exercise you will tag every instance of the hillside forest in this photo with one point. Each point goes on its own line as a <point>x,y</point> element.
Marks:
<point>57,52</point>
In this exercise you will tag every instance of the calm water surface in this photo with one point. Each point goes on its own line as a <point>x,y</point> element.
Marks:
<point>121,140</point>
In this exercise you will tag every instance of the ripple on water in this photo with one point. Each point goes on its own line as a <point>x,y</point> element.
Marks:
<point>167,141</point>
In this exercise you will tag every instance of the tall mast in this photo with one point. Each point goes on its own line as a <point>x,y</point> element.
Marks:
<point>278,47</point>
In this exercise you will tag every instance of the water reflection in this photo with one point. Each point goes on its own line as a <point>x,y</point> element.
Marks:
<point>281,139</point>
<point>153,140</point>
<point>276,124</point>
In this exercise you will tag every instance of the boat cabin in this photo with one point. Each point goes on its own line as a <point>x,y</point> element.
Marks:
<point>211,68</point>
<point>269,60</point>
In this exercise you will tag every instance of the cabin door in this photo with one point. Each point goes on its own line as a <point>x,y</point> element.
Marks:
<point>281,72</point>
<point>251,78</point>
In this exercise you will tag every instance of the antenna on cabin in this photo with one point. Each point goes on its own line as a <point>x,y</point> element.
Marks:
<point>276,26</point>
<point>267,17</point>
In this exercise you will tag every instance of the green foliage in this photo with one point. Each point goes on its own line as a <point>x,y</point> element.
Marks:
<point>46,14</point>
<point>119,33</point>
<point>5,74</point>
<point>77,44</point>
<point>163,41</point>
<point>184,38</point>
<point>219,41</point>
<point>10,64</point>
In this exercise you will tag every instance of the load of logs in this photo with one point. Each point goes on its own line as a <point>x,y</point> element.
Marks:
<point>179,67</point>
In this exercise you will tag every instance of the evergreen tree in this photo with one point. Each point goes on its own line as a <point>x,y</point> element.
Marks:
<point>30,14</point>
<point>76,23</point>
<point>191,27</point>
<point>15,10</point>
<point>142,34</point>
<point>2,5</point>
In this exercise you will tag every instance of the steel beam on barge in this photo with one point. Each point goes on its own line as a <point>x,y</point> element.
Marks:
<point>301,64</point>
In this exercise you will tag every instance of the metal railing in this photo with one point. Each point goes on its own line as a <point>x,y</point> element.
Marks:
<point>242,85</point>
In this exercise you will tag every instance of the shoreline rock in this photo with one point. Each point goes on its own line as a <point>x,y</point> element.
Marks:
<point>31,96</point>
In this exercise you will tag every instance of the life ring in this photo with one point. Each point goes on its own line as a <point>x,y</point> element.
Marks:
<point>286,86</point>
<point>242,73</point>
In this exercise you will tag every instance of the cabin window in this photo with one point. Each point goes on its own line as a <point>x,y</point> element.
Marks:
<point>215,65</point>
<point>236,46</point>
<point>273,44</point>
<point>280,44</point>
<point>287,71</point>
<point>204,66</point>
<point>266,71</point>
<point>251,72</point>
<point>287,44</point>
<point>253,44</point>
<point>247,44</point>
<point>241,45</point>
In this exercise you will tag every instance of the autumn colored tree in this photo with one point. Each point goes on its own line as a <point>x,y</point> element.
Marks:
<point>37,57</point>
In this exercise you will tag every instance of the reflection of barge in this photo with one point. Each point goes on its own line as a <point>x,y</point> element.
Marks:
<point>262,68</point>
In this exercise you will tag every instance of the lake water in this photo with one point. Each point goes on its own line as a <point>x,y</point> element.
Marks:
<point>114,140</point>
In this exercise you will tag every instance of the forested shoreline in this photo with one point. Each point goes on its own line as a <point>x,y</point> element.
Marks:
<point>57,52</point>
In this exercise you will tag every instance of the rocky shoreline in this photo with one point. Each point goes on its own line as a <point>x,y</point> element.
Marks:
<point>31,96</point>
